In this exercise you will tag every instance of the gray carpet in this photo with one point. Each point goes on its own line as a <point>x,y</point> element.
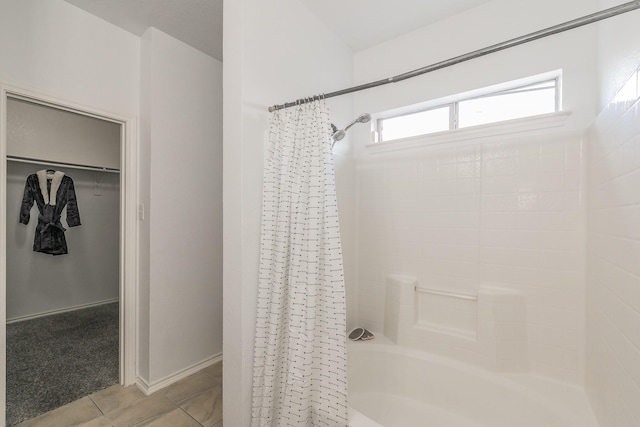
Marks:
<point>54,360</point>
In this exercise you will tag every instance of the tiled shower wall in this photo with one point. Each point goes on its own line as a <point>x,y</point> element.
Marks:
<point>613,284</point>
<point>506,210</point>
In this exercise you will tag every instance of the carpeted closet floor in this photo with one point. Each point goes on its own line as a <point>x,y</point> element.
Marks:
<point>54,360</point>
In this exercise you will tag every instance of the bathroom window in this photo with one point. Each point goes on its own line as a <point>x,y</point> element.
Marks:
<point>518,102</point>
<point>421,123</point>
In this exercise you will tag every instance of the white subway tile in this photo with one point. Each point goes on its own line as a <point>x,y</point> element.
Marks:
<point>553,162</point>
<point>528,202</point>
<point>549,355</point>
<point>631,327</point>
<point>551,201</point>
<point>552,181</point>
<point>634,292</point>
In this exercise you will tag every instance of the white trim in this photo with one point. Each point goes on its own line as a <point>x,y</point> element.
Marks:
<point>61,310</point>
<point>446,294</point>
<point>3,254</point>
<point>129,143</point>
<point>543,121</point>
<point>128,224</point>
<point>148,389</point>
<point>475,93</point>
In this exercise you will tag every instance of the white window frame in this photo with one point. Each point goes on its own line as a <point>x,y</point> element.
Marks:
<point>454,105</point>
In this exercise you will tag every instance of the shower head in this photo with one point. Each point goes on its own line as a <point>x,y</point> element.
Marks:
<point>341,133</point>
<point>364,118</point>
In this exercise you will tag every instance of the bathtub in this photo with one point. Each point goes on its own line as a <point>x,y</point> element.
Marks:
<point>392,386</point>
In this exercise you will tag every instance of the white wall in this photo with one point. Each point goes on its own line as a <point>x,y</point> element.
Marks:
<point>57,49</point>
<point>613,299</point>
<point>275,51</point>
<point>60,50</point>
<point>89,273</point>
<point>503,209</point>
<point>181,167</point>
<point>40,132</point>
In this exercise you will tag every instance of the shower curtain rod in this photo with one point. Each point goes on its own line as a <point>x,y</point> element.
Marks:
<point>60,164</point>
<point>569,25</point>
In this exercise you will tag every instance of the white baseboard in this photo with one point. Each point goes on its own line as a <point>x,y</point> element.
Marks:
<point>61,310</point>
<point>148,389</point>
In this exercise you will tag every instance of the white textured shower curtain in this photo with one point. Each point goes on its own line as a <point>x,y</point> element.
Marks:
<point>300,360</point>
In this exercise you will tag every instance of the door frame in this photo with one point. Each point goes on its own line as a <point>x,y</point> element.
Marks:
<point>128,226</point>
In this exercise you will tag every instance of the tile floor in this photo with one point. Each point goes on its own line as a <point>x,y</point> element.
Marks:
<point>195,401</point>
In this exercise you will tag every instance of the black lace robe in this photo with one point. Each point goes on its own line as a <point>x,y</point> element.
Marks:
<point>51,193</point>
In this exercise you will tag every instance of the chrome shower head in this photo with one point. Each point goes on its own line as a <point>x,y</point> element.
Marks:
<point>339,134</point>
<point>364,118</point>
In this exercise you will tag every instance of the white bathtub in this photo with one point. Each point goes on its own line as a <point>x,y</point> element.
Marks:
<point>391,386</point>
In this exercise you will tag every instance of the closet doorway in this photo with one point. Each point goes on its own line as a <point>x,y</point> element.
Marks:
<point>90,278</point>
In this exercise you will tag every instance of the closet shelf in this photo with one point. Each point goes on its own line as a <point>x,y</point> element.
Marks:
<point>61,164</point>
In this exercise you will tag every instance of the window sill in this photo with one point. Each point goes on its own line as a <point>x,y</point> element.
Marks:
<point>544,121</point>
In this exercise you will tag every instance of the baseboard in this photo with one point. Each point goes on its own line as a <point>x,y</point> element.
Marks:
<point>148,389</point>
<point>61,310</point>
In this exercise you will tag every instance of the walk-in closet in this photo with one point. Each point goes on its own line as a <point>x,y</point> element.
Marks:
<point>63,256</point>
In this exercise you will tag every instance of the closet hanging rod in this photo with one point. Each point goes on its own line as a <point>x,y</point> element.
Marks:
<point>61,164</point>
<point>566,26</point>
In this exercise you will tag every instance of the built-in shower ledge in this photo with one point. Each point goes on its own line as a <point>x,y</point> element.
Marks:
<point>451,332</point>
<point>527,124</point>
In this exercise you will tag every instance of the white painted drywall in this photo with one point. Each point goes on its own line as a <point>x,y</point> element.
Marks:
<point>275,51</point>
<point>61,50</point>
<point>181,151</point>
<point>40,132</point>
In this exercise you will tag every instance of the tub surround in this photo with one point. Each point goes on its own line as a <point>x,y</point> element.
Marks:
<point>487,330</point>
<point>507,210</point>
<point>396,386</point>
<point>613,279</point>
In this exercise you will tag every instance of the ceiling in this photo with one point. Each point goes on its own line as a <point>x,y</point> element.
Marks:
<point>197,23</point>
<point>360,23</point>
<point>365,23</point>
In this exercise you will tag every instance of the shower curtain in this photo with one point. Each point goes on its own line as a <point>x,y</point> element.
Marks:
<point>300,360</point>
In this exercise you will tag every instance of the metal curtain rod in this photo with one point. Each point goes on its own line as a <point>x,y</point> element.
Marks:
<point>60,164</point>
<point>566,26</point>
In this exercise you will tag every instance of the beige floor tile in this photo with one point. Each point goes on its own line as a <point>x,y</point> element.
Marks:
<point>205,407</point>
<point>116,397</point>
<point>73,414</point>
<point>142,411</point>
<point>215,371</point>
<point>98,422</point>
<point>176,418</point>
<point>189,387</point>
